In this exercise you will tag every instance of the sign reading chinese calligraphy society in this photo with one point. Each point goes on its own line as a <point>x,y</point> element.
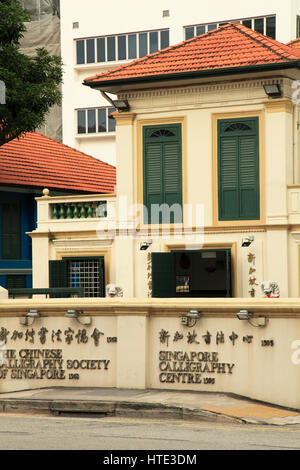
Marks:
<point>196,366</point>
<point>60,353</point>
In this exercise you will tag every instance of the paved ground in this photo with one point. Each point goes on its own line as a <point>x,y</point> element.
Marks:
<point>148,403</point>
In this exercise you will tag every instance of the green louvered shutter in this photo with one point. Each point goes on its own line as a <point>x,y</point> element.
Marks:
<point>163,275</point>
<point>153,182</point>
<point>101,277</point>
<point>238,169</point>
<point>172,172</point>
<point>249,177</point>
<point>58,273</point>
<point>162,165</point>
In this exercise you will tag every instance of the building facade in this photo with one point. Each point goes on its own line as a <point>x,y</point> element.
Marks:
<point>93,41</point>
<point>210,141</point>
<point>27,166</point>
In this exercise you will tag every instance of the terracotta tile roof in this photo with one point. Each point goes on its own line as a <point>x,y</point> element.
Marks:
<point>38,161</point>
<point>295,43</point>
<point>231,45</point>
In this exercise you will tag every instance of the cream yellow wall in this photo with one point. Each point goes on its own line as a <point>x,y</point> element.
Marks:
<point>198,109</point>
<point>129,343</point>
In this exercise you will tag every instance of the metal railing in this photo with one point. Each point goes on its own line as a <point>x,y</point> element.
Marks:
<point>52,292</point>
<point>78,210</point>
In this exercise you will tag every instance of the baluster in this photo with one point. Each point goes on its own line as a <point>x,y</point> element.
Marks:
<point>90,209</point>
<point>82,211</point>
<point>61,211</point>
<point>54,211</point>
<point>69,212</point>
<point>75,212</point>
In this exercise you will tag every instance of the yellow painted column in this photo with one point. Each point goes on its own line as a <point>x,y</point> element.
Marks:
<point>124,243</point>
<point>279,172</point>
<point>132,360</point>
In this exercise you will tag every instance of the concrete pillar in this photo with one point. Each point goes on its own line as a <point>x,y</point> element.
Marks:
<point>278,159</point>
<point>132,333</point>
<point>40,260</point>
<point>124,243</point>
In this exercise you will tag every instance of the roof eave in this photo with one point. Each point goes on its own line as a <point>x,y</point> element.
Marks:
<point>101,84</point>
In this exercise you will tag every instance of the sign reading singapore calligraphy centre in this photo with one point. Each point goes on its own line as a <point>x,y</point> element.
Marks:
<point>191,367</point>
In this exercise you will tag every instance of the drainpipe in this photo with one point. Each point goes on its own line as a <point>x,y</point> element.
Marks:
<point>295,145</point>
<point>107,98</point>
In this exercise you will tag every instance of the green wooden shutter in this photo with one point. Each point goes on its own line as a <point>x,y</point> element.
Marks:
<point>162,170</point>
<point>228,178</point>
<point>172,173</point>
<point>58,273</point>
<point>249,177</point>
<point>101,277</point>
<point>163,275</point>
<point>11,230</point>
<point>153,182</point>
<point>238,169</point>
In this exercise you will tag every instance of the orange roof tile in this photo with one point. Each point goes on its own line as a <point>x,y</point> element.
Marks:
<point>38,161</point>
<point>229,46</point>
<point>295,43</point>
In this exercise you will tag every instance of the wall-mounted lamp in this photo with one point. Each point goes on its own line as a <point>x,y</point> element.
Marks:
<point>76,314</point>
<point>32,314</point>
<point>145,245</point>
<point>191,318</point>
<point>245,315</point>
<point>248,240</point>
<point>273,90</point>
<point>121,105</point>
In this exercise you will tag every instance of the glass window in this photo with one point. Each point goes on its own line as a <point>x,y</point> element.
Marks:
<point>81,122</point>
<point>164,39</point>
<point>271,27</point>
<point>153,41</point>
<point>90,51</point>
<point>298,26</point>
<point>259,25</point>
<point>143,44</point>
<point>102,120</point>
<point>131,46</point>
<point>247,23</point>
<point>80,56</point>
<point>121,47</point>
<point>200,30</point>
<point>91,120</point>
<point>210,27</point>
<point>189,32</point>
<point>111,121</point>
<point>111,48</point>
<point>101,56</point>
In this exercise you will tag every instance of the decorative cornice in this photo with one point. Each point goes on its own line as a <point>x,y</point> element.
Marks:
<point>124,119</point>
<point>81,243</point>
<point>279,106</point>
<point>208,88</point>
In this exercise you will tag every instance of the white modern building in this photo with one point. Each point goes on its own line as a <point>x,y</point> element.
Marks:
<point>95,38</point>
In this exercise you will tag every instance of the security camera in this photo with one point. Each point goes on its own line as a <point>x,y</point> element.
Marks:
<point>247,241</point>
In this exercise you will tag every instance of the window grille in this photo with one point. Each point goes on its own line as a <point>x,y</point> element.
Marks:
<point>85,273</point>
